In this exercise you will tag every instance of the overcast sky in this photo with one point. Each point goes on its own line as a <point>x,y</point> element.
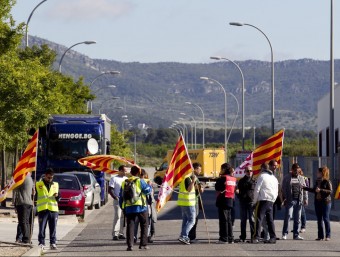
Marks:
<point>188,31</point>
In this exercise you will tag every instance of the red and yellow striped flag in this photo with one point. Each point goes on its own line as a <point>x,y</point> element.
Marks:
<point>27,163</point>
<point>337,193</point>
<point>104,162</point>
<point>271,149</point>
<point>179,168</point>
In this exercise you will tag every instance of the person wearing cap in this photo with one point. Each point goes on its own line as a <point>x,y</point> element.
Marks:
<point>245,195</point>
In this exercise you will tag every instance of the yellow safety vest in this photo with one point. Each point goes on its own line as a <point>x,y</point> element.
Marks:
<point>46,199</point>
<point>142,199</point>
<point>186,198</point>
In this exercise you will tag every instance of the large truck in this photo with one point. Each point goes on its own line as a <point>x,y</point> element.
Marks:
<point>210,159</point>
<point>67,138</point>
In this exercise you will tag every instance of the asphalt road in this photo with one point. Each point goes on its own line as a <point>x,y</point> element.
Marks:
<point>93,237</point>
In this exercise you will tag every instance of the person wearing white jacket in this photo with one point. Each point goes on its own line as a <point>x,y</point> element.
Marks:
<point>265,194</point>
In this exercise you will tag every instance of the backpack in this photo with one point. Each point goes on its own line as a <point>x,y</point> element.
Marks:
<point>130,195</point>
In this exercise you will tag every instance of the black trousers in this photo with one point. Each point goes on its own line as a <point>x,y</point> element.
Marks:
<point>24,222</point>
<point>225,225</point>
<point>130,227</point>
<point>246,213</point>
<point>264,210</point>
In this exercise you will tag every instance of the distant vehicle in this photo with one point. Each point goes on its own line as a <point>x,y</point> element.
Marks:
<point>91,188</point>
<point>210,159</point>
<point>72,196</point>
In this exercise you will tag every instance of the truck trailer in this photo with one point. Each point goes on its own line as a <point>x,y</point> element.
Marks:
<point>210,159</point>
<point>67,138</point>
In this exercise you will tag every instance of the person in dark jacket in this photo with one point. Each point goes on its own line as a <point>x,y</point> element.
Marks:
<point>245,188</point>
<point>322,202</point>
<point>225,187</point>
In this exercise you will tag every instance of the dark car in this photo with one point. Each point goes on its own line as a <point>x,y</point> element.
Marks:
<point>72,196</point>
<point>91,188</point>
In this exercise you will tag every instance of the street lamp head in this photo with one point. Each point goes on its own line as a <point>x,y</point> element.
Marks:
<point>182,113</point>
<point>187,102</point>
<point>111,86</point>
<point>236,23</point>
<point>204,78</point>
<point>124,116</point>
<point>118,108</point>
<point>114,72</point>
<point>89,42</point>
<point>115,98</point>
<point>215,57</point>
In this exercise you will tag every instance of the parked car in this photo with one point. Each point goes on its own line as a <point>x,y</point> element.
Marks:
<point>72,196</point>
<point>91,188</point>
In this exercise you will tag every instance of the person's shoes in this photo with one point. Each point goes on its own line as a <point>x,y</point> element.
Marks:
<point>121,237</point>
<point>270,241</point>
<point>129,248</point>
<point>150,239</point>
<point>194,241</point>
<point>303,230</point>
<point>184,240</point>
<point>328,239</point>
<point>42,246</point>
<point>318,239</point>
<point>53,247</point>
<point>231,242</point>
<point>221,242</point>
<point>144,247</point>
<point>115,238</point>
<point>18,241</point>
<point>255,241</point>
<point>284,237</point>
<point>298,237</point>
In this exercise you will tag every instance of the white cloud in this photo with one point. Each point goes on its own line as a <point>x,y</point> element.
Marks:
<point>89,9</point>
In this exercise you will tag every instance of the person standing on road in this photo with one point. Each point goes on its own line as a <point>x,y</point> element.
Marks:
<point>47,208</point>
<point>225,187</point>
<point>23,202</point>
<point>136,209</point>
<point>294,197</point>
<point>245,195</point>
<point>118,217</point>
<point>322,202</point>
<point>303,209</point>
<point>198,191</point>
<point>187,202</point>
<point>265,194</point>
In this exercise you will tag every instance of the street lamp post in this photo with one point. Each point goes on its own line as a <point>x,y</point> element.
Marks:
<point>243,91</point>
<point>29,18</point>
<point>184,114</point>
<point>103,73</point>
<point>202,120</point>
<point>225,114</point>
<point>272,69</point>
<point>192,132</point>
<point>238,109</point>
<point>113,98</point>
<point>84,42</point>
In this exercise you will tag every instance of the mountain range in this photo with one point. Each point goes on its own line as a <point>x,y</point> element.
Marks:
<point>155,94</point>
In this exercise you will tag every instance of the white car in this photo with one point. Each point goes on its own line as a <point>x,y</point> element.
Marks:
<point>91,188</point>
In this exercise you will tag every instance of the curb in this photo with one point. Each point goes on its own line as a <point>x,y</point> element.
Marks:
<point>35,251</point>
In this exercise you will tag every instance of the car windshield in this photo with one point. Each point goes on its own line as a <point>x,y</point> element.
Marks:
<point>83,178</point>
<point>67,182</point>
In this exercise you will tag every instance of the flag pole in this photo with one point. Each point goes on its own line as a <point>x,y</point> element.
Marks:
<point>205,220</point>
<point>34,181</point>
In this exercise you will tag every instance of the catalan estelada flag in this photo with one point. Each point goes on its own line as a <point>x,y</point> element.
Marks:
<point>337,193</point>
<point>27,163</point>
<point>104,162</point>
<point>269,150</point>
<point>179,168</point>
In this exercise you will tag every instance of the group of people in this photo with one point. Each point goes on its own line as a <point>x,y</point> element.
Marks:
<point>257,198</point>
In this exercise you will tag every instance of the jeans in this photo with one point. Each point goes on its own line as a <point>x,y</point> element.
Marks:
<point>293,210</point>
<point>118,219</point>
<point>188,220</point>
<point>51,218</point>
<point>225,225</point>
<point>246,213</point>
<point>322,211</point>
<point>303,217</point>
<point>264,211</point>
<point>192,232</point>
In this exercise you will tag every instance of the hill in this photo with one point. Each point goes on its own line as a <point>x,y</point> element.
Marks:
<point>155,93</point>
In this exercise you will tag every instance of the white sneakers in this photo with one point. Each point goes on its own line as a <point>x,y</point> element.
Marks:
<point>53,247</point>
<point>284,237</point>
